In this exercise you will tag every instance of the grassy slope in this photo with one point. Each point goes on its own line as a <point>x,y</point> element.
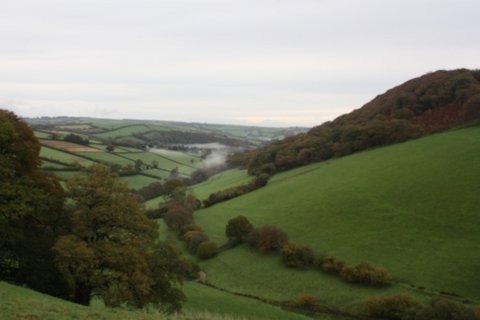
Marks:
<point>124,132</point>
<point>63,156</point>
<point>220,181</point>
<point>201,298</point>
<point>137,181</point>
<point>20,303</point>
<point>203,303</point>
<point>411,207</point>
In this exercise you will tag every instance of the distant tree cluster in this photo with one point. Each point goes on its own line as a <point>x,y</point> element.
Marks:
<point>74,138</point>
<point>404,307</point>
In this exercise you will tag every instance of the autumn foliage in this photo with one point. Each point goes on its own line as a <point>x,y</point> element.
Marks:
<point>436,101</point>
<point>366,274</point>
<point>267,238</point>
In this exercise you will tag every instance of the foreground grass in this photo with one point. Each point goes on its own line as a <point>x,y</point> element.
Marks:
<point>412,208</point>
<point>205,299</point>
<point>204,303</point>
<point>21,303</point>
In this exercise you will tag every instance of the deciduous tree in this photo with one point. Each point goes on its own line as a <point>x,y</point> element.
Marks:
<point>113,249</point>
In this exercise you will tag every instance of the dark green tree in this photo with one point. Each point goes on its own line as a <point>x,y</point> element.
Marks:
<point>31,210</point>
<point>237,229</point>
<point>113,250</point>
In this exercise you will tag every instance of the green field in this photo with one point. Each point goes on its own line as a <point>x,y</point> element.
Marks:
<point>412,208</point>
<point>184,168</point>
<point>108,157</point>
<point>42,135</point>
<point>50,153</point>
<point>202,298</point>
<point>123,131</point>
<point>51,165</point>
<point>137,181</point>
<point>181,157</point>
<point>220,181</point>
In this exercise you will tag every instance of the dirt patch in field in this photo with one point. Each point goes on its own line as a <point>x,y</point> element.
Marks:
<point>68,146</point>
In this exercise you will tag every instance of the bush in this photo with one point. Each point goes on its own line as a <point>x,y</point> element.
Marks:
<point>297,256</point>
<point>207,249</point>
<point>155,213</point>
<point>177,216</point>
<point>330,264</point>
<point>267,238</point>
<point>441,309</point>
<point>366,274</point>
<point>189,227</point>
<point>193,240</point>
<point>237,191</point>
<point>237,229</point>
<point>394,307</point>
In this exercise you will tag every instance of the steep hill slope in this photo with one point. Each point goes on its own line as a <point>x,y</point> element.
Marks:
<point>411,207</point>
<point>433,102</point>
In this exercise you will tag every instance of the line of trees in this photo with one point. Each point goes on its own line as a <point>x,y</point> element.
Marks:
<point>270,238</point>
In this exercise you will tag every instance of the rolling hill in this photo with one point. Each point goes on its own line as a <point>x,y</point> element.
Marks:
<point>411,207</point>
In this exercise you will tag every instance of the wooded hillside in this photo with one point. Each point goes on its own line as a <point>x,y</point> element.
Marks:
<point>434,102</point>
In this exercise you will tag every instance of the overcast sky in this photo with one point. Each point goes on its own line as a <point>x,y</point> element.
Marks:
<point>262,62</point>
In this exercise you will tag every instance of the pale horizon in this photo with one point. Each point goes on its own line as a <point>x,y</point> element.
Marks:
<point>279,63</point>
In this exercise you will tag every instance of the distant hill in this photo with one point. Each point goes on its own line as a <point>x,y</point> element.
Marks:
<point>433,102</point>
<point>139,133</point>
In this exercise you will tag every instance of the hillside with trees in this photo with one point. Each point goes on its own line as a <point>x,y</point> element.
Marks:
<point>434,102</point>
<point>100,242</point>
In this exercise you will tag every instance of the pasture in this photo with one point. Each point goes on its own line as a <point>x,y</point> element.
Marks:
<point>410,207</point>
<point>67,146</point>
<point>221,181</point>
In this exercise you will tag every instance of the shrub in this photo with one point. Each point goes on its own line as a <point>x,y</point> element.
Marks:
<point>189,227</point>
<point>191,202</point>
<point>330,264</point>
<point>155,213</point>
<point>177,216</point>
<point>237,191</point>
<point>297,256</point>
<point>366,274</point>
<point>207,249</point>
<point>441,309</point>
<point>393,307</point>
<point>237,229</point>
<point>193,240</point>
<point>267,238</point>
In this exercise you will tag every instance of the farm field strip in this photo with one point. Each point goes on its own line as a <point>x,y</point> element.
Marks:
<point>54,154</point>
<point>67,146</point>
